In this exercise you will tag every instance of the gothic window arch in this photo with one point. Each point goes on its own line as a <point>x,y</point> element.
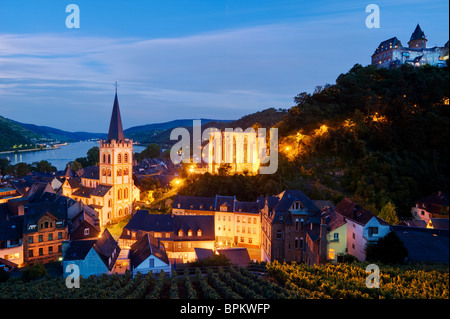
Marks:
<point>125,172</point>
<point>119,194</point>
<point>120,212</point>
<point>103,172</point>
<point>104,158</point>
<point>109,158</point>
<point>119,172</point>
<point>109,172</point>
<point>125,158</point>
<point>125,193</point>
<point>119,158</point>
<point>126,210</point>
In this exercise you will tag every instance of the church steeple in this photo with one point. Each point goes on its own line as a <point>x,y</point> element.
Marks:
<point>115,126</point>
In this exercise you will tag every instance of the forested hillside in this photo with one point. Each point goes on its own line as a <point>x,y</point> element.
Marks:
<point>376,135</point>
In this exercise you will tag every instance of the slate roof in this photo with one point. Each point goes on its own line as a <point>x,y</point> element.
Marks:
<point>333,219</point>
<point>207,203</point>
<point>433,203</point>
<point>417,34</point>
<point>194,222</point>
<point>12,228</point>
<point>439,223</point>
<point>115,126</point>
<point>78,249</point>
<point>34,211</point>
<point>203,253</point>
<point>84,215</point>
<point>83,192</point>
<point>237,256</point>
<point>144,247</point>
<point>356,213</point>
<point>387,44</point>
<point>101,190</point>
<point>91,172</point>
<point>146,222</point>
<point>105,246</point>
<point>424,244</point>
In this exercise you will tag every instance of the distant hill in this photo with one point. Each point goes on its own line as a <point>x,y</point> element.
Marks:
<point>63,136</point>
<point>12,133</point>
<point>160,133</point>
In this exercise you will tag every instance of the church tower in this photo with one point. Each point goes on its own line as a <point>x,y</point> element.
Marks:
<point>116,169</point>
<point>418,39</point>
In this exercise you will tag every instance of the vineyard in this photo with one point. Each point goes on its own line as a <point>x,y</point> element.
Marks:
<point>284,281</point>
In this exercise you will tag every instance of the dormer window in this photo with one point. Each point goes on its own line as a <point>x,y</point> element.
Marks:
<point>180,233</point>
<point>189,232</point>
<point>297,205</point>
<point>179,205</point>
<point>199,233</point>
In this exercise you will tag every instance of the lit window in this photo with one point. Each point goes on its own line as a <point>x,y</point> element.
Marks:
<point>199,232</point>
<point>189,232</point>
<point>331,253</point>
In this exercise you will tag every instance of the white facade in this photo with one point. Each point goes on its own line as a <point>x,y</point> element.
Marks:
<point>154,264</point>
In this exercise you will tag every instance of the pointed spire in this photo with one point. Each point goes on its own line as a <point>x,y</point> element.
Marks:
<point>115,126</point>
<point>417,34</point>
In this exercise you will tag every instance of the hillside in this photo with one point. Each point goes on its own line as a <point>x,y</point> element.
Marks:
<point>376,135</point>
<point>12,133</point>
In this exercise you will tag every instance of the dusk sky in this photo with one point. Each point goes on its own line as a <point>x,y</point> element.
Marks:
<point>186,59</point>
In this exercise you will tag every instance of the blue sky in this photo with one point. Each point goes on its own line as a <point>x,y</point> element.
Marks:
<point>186,59</point>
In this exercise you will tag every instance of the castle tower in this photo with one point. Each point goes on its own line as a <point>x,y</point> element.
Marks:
<point>116,169</point>
<point>418,39</point>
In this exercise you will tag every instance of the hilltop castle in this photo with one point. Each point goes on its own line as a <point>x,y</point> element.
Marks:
<point>391,53</point>
<point>108,187</point>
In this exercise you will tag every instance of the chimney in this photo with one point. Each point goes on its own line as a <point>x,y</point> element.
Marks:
<point>159,243</point>
<point>323,241</point>
<point>355,208</point>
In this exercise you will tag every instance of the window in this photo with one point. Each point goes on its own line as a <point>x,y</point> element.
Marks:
<point>244,220</point>
<point>30,253</point>
<point>30,239</point>
<point>336,236</point>
<point>199,232</point>
<point>41,238</point>
<point>238,219</point>
<point>218,218</point>
<point>86,231</point>
<point>238,229</point>
<point>50,249</point>
<point>250,240</point>
<point>60,235</point>
<point>125,172</point>
<point>353,235</point>
<point>119,172</point>
<point>50,236</point>
<point>125,158</point>
<point>46,224</point>
<point>373,231</point>
<point>189,232</point>
<point>151,263</point>
<point>242,239</point>
<point>125,193</point>
<point>104,158</point>
<point>59,248</point>
<point>249,230</point>
<point>297,223</point>
<point>179,245</point>
<point>119,158</point>
<point>296,243</point>
<point>41,251</point>
<point>254,221</point>
<point>180,233</point>
<point>109,161</point>
<point>279,234</point>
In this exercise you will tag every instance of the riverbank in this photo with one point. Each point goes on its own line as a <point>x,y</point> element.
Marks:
<point>55,147</point>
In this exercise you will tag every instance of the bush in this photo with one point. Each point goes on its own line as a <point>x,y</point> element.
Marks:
<point>388,250</point>
<point>34,272</point>
<point>4,275</point>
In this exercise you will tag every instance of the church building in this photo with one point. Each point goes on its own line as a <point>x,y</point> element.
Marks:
<point>109,187</point>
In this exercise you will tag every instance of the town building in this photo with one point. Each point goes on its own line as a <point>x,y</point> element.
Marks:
<point>391,53</point>
<point>148,254</point>
<point>432,206</point>
<point>108,187</point>
<point>362,227</point>
<point>284,220</point>
<point>93,257</point>
<point>180,234</point>
<point>45,228</point>
<point>237,223</point>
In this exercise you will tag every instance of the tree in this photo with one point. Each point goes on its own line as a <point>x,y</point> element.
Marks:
<point>43,167</point>
<point>388,250</point>
<point>93,156</point>
<point>74,165</point>
<point>21,169</point>
<point>151,151</point>
<point>4,163</point>
<point>389,214</point>
<point>34,272</point>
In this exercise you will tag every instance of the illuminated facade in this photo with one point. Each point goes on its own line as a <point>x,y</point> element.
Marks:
<point>390,53</point>
<point>109,187</point>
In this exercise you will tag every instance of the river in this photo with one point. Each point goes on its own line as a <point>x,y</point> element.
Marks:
<point>57,157</point>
